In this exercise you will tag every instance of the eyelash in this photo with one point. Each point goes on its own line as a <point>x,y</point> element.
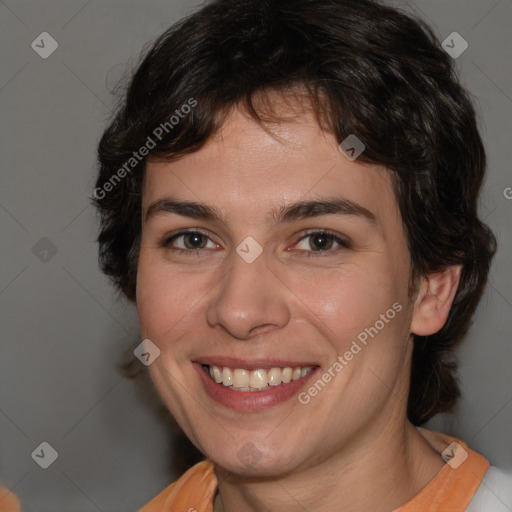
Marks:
<point>344,244</point>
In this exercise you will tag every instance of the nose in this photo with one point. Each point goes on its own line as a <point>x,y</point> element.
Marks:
<point>250,299</point>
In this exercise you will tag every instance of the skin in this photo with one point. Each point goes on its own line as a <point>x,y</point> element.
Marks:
<point>351,448</point>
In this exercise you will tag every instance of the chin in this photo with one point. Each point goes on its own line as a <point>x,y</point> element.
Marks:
<point>249,461</point>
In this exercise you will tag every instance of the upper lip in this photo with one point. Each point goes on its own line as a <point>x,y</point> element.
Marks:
<point>252,364</point>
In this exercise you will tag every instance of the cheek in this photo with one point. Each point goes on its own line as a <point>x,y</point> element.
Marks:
<point>344,302</point>
<point>161,299</point>
<point>168,300</point>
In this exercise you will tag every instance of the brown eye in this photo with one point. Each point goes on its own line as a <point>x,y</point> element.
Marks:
<point>195,240</point>
<point>188,241</point>
<point>321,241</point>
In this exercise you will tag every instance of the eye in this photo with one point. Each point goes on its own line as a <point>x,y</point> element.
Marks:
<point>321,241</point>
<point>192,241</point>
<point>195,242</point>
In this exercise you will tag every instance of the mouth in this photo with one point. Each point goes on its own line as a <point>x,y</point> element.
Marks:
<point>258,380</point>
<point>252,386</point>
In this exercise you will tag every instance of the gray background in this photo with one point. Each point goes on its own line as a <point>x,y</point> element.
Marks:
<point>63,332</point>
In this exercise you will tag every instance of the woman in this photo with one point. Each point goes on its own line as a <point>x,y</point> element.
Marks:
<point>289,193</point>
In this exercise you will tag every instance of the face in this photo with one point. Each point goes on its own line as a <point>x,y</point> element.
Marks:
<point>266,285</point>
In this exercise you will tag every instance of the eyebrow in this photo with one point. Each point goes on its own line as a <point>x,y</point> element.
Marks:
<point>285,214</point>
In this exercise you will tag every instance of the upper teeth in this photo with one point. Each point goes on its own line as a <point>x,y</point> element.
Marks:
<point>256,380</point>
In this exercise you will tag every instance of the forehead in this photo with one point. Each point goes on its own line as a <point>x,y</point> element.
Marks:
<point>246,171</point>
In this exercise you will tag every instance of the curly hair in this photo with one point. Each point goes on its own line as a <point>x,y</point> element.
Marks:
<point>368,70</point>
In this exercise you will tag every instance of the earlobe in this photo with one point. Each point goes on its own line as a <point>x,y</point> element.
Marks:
<point>434,300</point>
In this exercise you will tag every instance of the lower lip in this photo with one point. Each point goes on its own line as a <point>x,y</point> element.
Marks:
<point>251,400</point>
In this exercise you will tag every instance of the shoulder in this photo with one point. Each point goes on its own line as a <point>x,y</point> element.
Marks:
<point>198,484</point>
<point>494,494</point>
<point>9,502</point>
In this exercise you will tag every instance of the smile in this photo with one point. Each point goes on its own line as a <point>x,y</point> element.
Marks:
<point>241,379</point>
<point>252,386</point>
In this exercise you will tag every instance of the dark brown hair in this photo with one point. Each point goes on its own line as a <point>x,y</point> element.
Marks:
<point>368,70</point>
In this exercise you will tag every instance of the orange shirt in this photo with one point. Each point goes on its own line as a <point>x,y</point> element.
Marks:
<point>450,491</point>
<point>9,502</point>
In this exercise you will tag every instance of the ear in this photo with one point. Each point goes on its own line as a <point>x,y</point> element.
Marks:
<point>434,300</point>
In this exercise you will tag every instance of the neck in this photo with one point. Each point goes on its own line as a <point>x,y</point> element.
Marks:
<point>380,468</point>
